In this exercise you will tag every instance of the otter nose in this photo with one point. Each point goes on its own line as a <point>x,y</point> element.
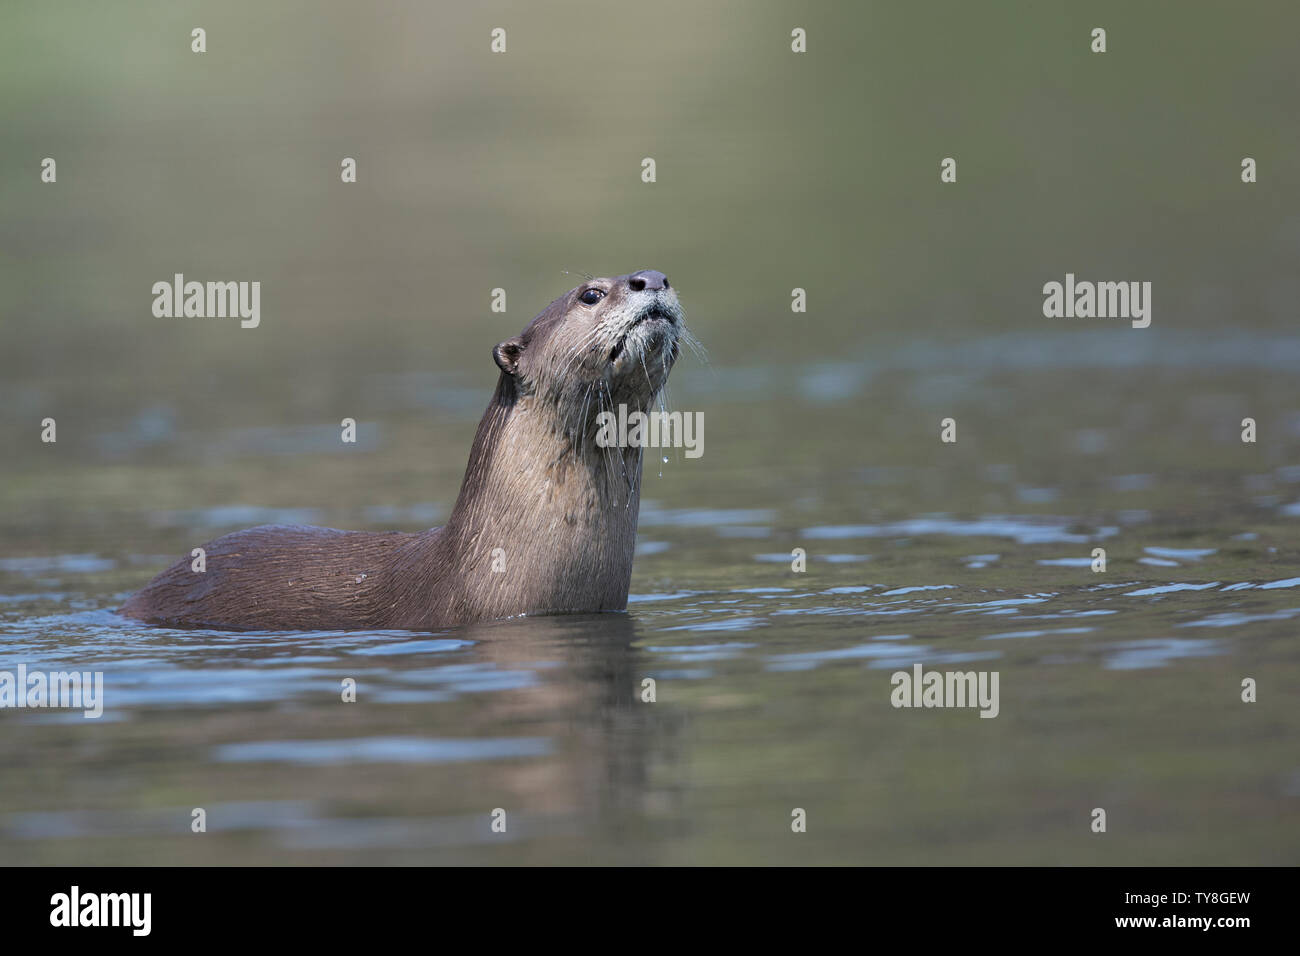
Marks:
<point>647,279</point>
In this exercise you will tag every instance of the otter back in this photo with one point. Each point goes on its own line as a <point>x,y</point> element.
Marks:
<point>276,577</point>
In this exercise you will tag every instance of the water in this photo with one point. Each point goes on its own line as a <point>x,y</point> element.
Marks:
<point>1119,689</point>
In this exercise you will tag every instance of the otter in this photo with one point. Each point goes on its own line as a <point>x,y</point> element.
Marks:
<point>561,509</point>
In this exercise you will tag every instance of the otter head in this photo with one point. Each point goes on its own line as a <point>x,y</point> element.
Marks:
<point>604,343</point>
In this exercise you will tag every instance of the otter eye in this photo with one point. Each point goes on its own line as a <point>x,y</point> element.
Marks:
<point>592,296</point>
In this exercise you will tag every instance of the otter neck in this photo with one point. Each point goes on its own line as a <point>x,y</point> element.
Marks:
<point>561,510</point>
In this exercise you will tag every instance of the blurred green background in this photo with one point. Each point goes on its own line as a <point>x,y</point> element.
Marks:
<point>478,171</point>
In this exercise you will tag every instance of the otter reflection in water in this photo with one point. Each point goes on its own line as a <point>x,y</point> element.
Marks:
<point>561,509</point>
<point>615,758</point>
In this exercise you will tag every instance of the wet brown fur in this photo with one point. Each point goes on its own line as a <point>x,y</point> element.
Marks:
<point>563,510</point>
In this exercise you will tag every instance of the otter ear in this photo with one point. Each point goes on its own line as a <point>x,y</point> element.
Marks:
<point>506,355</point>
